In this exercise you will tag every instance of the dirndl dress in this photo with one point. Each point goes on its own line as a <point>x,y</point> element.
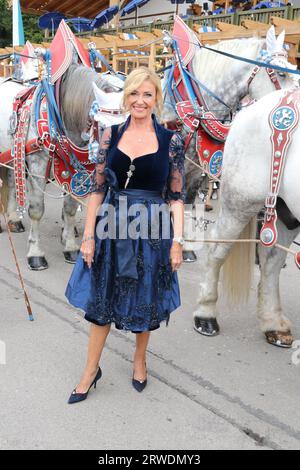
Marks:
<point>131,283</point>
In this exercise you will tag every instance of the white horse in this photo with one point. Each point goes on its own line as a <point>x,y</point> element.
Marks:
<point>229,80</point>
<point>76,97</point>
<point>226,77</point>
<point>245,185</point>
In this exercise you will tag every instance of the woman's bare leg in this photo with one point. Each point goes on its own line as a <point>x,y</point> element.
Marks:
<point>97,338</point>
<point>139,361</point>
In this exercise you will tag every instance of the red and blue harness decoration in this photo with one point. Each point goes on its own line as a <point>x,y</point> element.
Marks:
<point>72,166</point>
<point>185,91</point>
<point>22,111</point>
<point>211,134</point>
<point>190,104</point>
<point>283,120</point>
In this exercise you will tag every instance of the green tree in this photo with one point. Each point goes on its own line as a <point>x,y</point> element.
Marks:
<point>5,24</point>
<point>31,29</point>
<point>30,22</point>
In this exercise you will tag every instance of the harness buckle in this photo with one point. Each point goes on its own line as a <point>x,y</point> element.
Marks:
<point>271,201</point>
<point>23,114</point>
<point>195,123</point>
<point>43,137</point>
<point>51,149</point>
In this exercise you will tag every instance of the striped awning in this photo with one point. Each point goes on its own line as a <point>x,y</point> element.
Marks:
<point>128,36</point>
<point>208,29</point>
<point>131,52</point>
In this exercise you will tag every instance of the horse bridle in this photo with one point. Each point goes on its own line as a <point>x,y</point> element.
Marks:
<point>270,71</point>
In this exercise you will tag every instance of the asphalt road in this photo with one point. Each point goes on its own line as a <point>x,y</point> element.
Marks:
<point>233,391</point>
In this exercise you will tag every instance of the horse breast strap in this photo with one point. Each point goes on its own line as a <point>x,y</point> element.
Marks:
<point>19,126</point>
<point>190,106</point>
<point>283,120</point>
<point>209,150</point>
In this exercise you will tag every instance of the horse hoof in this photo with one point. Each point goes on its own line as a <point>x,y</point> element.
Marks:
<point>71,256</point>
<point>37,263</point>
<point>16,226</point>
<point>282,339</point>
<point>189,256</point>
<point>206,326</point>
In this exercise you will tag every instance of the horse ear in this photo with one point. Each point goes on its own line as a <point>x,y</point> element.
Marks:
<point>271,40</point>
<point>280,41</point>
<point>100,96</point>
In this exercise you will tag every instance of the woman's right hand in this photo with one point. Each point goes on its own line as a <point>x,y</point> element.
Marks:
<point>87,250</point>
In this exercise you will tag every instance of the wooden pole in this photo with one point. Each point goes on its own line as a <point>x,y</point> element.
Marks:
<point>152,57</point>
<point>114,57</point>
<point>116,18</point>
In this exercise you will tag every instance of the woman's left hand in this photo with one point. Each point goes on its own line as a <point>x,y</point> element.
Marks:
<point>176,255</point>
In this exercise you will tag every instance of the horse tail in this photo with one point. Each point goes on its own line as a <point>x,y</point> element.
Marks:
<point>238,267</point>
<point>4,189</point>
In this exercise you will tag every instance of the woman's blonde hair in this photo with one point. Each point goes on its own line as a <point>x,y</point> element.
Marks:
<point>135,80</point>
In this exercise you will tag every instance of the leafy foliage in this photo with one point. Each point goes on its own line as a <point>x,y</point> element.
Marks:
<point>31,30</point>
<point>5,24</point>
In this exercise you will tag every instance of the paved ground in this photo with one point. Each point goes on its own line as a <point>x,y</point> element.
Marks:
<point>233,391</point>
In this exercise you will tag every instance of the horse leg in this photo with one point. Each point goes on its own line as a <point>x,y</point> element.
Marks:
<point>273,323</point>
<point>229,225</point>
<point>37,164</point>
<point>189,256</point>
<point>193,183</point>
<point>71,249</point>
<point>14,222</point>
<point>208,206</point>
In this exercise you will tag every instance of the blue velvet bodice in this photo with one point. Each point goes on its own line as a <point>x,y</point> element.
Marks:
<point>151,170</point>
<point>162,170</point>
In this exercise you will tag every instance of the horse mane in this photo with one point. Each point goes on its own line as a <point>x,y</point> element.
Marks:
<point>76,95</point>
<point>223,75</point>
<point>205,61</point>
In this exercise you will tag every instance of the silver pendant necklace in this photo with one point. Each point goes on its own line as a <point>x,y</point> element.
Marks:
<point>129,174</point>
<point>131,166</point>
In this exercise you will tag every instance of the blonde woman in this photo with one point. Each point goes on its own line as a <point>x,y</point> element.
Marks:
<point>132,281</point>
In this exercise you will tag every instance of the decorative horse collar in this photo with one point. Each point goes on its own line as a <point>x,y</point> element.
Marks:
<point>283,120</point>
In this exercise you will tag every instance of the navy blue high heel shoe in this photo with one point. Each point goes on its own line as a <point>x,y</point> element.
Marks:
<point>139,385</point>
<point>77,397</point>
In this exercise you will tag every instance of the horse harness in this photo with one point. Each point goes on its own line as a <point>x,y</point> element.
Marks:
<point>71,164</point>
<point>191,108</point>
<point>60,149</point>
<point>283,120</point>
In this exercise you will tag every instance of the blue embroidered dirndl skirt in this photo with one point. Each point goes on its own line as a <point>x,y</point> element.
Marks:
<point>130,283</point>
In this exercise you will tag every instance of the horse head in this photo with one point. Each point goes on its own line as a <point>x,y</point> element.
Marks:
<point>28,63</point>
<point>231,79</point>
<point>275,53</point>
<point>108,110</point>
<point>77,93</point>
